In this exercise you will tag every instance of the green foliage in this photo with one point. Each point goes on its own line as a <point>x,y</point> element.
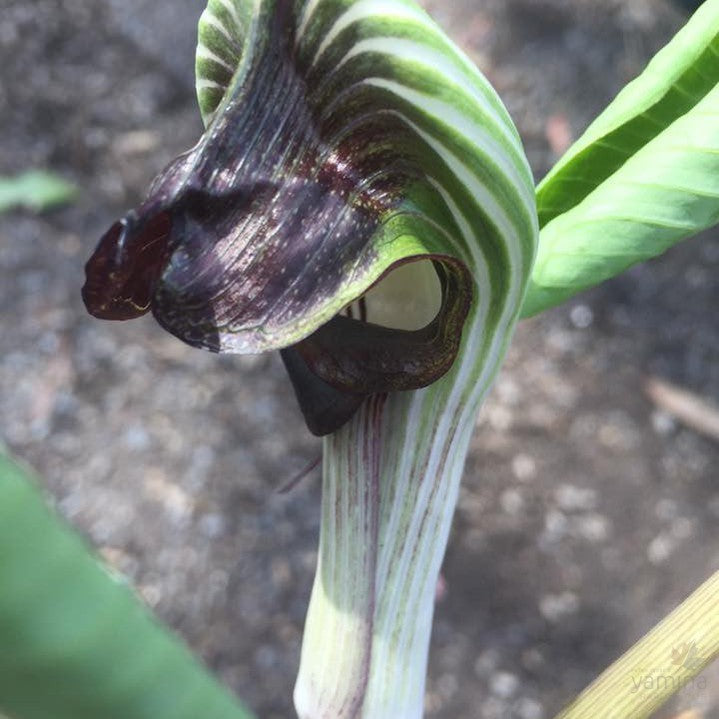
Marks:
<point>76,643</point>
<point>642,177</point>
<point>36,190</point>
<point>673,82</point>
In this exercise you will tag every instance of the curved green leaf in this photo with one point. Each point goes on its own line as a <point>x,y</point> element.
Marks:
<point>674,81</point>
<point>665,192</point>
<point>74,641</point>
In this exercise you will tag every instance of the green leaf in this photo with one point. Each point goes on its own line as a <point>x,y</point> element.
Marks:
<point>664,193</point>
<point>75,642</point>
<point>674,81</point>
<point>36,190</point>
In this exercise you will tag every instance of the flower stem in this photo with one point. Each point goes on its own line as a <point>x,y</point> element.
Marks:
<point>391,481</point>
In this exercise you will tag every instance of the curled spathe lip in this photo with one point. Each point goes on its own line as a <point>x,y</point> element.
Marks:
<point>281,217</point>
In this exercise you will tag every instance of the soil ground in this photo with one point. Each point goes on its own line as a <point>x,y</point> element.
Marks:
<point>586,513</point>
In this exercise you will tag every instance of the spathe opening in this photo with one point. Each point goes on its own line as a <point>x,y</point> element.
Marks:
<point>408,297</point>
<point>423,304</point>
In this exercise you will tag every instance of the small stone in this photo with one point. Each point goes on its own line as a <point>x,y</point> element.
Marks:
<point>571,498</point>
<point>212,525</point>
<point>527,708</point>
<point>581,316</point>
<point>524,467</point>
<point>136,142</point>
<point>508,391</point>
<point>281,572</point>
<point>560,340</point>
<point>503,685</point>
<point>447,686</point>
<point>556,526</point>
<point>682,528</point>
<point>555,607</point>
<point>494,708</point>
<point>500,418</point>
<point>532,659</point>
<point>176,502</point>
<point>663,423</point>
<point>151,594</point>
<point>593,527</point>
<point>432,703</point>
<point>486,662</point>
<point>511,502</point>
<point>266,657</point>
<point>136,438</point>
<point>660,548</point>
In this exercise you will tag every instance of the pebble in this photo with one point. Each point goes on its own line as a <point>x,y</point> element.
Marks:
<point>581,316</point>
<point>524,467</point>
<point>556,526</point>
<point>661,548</point>
<point>486,662</point>
<point>447,686</point>
<point>504,684</point>
<point>593,527</point>
<point>663,423</point>
<point>494,708</point>
<point>500,418</point>
<point>151,594</point>
<point>682,528</point>
<point>571,498</point>
<point>212,525</point>
<point>136,438</point>
<point>512,502</point>
<point>555,607</point>
<point>527,708</point>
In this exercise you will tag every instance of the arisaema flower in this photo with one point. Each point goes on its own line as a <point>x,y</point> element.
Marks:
<point>311,215</point>
<point>361,201</point>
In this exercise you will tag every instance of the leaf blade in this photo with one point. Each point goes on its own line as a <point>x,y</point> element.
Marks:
<point>76,643</point>
<point>664,193</point>
<point>680,75</point>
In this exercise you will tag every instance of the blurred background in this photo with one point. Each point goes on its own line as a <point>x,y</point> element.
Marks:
<point>587,511</point>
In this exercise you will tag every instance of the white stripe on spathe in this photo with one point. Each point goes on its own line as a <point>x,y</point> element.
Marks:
<point>205,84</point>
<point>466,126</point>
<point>364,9</point>
<point>483,195</point>
<point>307,12</point>
<point>231,8</point>
<point>447,65</point>
<point>209,19</point>
<point>204,53</point>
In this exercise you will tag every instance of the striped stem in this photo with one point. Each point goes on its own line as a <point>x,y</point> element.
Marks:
<point>367,633</point>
